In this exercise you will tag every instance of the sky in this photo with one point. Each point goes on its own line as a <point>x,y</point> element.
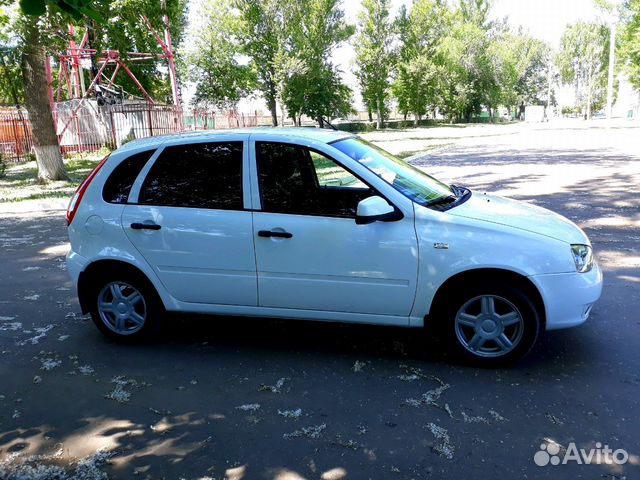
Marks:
<point>543,19</point>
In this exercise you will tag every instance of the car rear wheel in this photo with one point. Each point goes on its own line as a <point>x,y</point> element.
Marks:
<point>492,325</point>
<point>125,308</point>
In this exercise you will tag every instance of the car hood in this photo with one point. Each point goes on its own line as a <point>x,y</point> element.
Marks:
<point>521,215</point>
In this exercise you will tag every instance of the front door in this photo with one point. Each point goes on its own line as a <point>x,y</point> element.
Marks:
<point>311,254</point>
<point>190,224</point>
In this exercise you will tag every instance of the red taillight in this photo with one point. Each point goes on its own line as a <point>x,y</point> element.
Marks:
<point>77,196</point>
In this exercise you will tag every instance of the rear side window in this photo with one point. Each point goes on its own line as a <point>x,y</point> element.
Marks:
<point>118,185</point>
<point>202,175</point>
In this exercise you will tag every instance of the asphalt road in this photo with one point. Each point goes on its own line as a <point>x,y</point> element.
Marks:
<point>235,398</point>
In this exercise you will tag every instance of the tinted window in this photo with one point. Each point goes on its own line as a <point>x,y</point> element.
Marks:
<point>203,175</point>
<point>118,185</point>
<point>294,179</point>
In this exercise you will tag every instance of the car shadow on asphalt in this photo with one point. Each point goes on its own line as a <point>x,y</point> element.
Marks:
<point>265,337</point>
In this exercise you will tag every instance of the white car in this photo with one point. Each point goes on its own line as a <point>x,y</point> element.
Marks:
<point>321,225</point>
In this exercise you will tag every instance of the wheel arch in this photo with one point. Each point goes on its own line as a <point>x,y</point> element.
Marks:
<point>482,275</point>
<point>94,270</point>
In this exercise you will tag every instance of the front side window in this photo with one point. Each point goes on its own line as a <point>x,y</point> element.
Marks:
<point>202,175</point>
<point>294,179</point>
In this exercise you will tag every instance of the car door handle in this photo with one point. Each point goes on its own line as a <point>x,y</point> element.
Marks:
<point>271,233</point>
<point>145,226</point>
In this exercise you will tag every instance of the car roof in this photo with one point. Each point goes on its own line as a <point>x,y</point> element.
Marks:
<point>308,133</point>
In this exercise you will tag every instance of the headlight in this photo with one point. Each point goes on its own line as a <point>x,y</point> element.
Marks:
<point>583,256</point>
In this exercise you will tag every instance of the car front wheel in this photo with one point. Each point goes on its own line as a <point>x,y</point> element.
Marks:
<point>492,325</point>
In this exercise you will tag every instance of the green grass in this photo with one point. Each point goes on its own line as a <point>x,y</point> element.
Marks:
<point>20,181</point>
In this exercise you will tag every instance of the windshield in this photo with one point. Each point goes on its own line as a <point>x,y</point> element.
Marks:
<point>410,181</point>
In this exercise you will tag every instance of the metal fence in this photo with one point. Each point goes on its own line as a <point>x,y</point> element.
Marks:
<point>89,127</point>
<point>15,133</point>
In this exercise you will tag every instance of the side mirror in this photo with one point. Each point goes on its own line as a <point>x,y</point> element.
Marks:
<point>375,209</point>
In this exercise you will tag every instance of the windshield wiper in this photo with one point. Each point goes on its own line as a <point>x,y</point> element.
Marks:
<point>461,192</point>
<point>460,195</point>
<point>442,200</point>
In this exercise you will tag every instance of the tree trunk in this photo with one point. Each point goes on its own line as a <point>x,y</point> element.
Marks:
<point>274,111</point>
<point>45,140</point>
<point>379,115</point>
<point>270,97</point>
<point>370,113</point>
<point>416,119</point>
<point>320,121</point>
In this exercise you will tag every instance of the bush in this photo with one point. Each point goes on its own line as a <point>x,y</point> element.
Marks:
<point>363,127</point>
<point>3,166</point>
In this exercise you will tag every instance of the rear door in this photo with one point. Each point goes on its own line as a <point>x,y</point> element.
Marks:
<point>189,222</point>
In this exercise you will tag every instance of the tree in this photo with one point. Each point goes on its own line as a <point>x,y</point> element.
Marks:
<point>520,64</point>
<point>212,58</point>
<point>465,82</point>
<point>308,82</point>
<point>374,55</point>
<point>45,139</point>
<point>41,27</point>
<point>476,12</point>
<point>22,57</point>
<point>583,61</point>
<point>418,73</point>
<point>260,41</point>
<point>630,44</point>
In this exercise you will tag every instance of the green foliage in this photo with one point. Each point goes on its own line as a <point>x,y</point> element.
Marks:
<point>419,71</point>
<point>476,12</point>
<point>260,41</point>
<point>630,41</point>
<point>77,9</point>
<point>468,78</point>
<point>374,57</point>
<point>454,61</point>
<point>583,62</point>
<point>125,31</point>
<point>11,89</point>
<point>309,83</point>
<point>520,66</point>
<point>122,29</point>
<point>212,58</point>
<point>289,45</point>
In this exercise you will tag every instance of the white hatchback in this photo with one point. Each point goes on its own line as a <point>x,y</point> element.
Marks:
<point>321,225</point>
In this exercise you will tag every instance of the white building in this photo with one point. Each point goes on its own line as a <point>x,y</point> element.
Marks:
<point>627,104</point>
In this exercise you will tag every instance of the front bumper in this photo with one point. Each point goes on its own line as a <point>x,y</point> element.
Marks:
<point>568,297</point>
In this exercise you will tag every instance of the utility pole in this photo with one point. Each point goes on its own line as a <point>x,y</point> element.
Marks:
<point>612,59</point>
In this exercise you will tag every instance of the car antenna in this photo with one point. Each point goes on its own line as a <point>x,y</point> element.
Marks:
<point>327,122</point>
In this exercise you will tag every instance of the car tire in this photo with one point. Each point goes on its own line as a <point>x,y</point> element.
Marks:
<point>492,325</point>
<point>125,307</point>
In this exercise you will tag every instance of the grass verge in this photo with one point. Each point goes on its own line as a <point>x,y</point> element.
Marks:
<point>20,181</point>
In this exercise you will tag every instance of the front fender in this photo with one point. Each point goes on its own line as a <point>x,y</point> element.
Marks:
<point>450,245</point>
